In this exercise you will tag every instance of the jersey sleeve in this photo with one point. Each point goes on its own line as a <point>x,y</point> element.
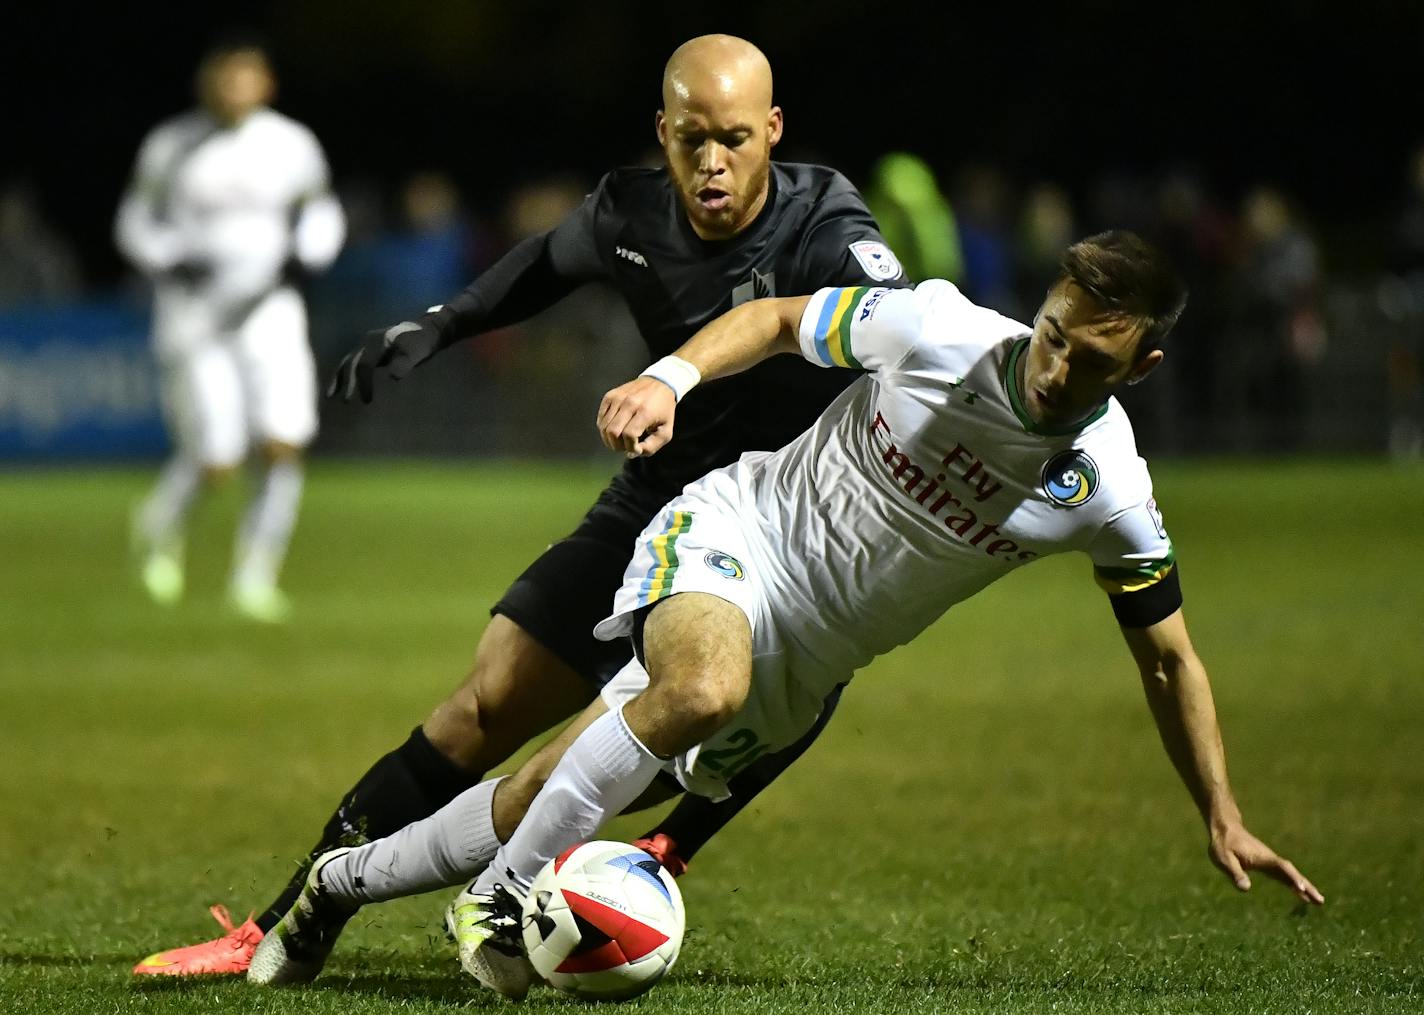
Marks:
<point>861,327</point>
<point>534,275</point>
<point>141,230</point>
<point>320,227</point>
<point>1134,562</point>
<point>843,246</point>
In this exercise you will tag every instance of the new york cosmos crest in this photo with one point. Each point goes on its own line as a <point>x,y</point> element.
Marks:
<point>725,565</point>
<point>1070,478</point>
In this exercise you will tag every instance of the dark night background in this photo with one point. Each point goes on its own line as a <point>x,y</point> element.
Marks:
<point>1320,99</point>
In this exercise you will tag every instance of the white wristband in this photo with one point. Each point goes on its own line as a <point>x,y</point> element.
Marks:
<point>676,373</point>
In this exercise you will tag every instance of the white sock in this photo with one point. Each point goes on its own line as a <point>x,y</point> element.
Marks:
<point>163,513</point>
<point>267,528</point>
<point>601,773</point>
<point>441,851</point>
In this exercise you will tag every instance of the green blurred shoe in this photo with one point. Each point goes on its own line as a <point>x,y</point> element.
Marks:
<point>162,577</point>
<point>265,604</point>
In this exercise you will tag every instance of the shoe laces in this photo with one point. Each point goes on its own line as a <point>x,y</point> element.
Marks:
<point>224,918</point>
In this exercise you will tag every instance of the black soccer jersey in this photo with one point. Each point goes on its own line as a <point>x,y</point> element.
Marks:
<point>633,233</point>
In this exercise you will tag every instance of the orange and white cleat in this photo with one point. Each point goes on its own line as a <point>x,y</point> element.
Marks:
<point>663,849</point>
<point>229,955</point>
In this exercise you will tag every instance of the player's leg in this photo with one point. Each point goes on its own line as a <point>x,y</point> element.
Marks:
<point>202,404</point>
<point>697,651</point>
<point>536,664</point>
<point>516,689</point>
<point>279,388</point>
<point>676,839</point>
<point>449,847</point>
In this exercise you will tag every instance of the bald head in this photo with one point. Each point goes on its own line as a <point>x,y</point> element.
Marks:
<point>717,68</point>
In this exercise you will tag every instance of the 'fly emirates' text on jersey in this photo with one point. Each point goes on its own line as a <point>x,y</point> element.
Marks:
<point>927,480</point>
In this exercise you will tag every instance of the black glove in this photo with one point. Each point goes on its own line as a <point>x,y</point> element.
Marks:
<point>398,349</point>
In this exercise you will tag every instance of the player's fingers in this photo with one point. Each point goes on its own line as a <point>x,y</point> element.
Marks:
<point>364,377</point>
<point>1285,872</point>
<point>626,426</point>
<point>334,385</point>
<point>652,441</point>
<point>1230,865</point>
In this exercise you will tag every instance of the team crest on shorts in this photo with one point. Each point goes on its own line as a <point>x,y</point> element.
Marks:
<point>725,565</point>
<point>1070,478</point>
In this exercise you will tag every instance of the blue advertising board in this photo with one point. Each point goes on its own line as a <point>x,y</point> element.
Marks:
<point>78,382</point>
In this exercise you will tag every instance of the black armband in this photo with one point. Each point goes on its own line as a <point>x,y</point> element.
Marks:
<point>1150,605</point>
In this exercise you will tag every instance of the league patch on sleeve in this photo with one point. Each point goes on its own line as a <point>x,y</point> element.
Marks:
<point>1155,513</point>
<point>877,259</point>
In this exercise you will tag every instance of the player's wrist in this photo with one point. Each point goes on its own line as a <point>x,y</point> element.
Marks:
<point>674,371</point>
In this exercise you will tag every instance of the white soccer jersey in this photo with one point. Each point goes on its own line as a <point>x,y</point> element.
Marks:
<point>240,200</point>
<point>923,483</point>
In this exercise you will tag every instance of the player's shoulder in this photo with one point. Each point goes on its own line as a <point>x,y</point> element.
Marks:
<point>1111,446</point>
<point>812,182</point>
<point>633,186</point>
<point>279,125</point>
<point>951,318</point>
<point>178,131</point>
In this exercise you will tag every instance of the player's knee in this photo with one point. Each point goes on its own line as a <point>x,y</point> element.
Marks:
<point>709,705</point>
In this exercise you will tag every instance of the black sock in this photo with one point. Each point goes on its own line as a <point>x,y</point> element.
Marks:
<point>412,782</point>
<point>696,819</point>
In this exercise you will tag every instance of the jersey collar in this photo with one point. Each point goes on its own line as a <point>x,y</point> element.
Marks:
<point>1013,387</point>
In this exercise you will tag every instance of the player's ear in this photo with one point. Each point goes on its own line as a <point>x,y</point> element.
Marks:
<point>1145,366</point>
<point>660,127</point>
<point>773,126</point>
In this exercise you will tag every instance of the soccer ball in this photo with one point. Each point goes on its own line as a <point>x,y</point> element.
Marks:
<point>603,921</point>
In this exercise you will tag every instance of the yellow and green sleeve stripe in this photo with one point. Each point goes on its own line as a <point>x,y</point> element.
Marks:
<point>832,334</point>
<point>663,547</point>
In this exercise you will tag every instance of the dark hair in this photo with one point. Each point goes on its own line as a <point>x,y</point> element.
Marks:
<point>1129,276</point>
<point>231,41</point>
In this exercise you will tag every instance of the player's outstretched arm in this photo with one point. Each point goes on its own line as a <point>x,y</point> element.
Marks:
<point>1179,694</point>
<point>637,417</point>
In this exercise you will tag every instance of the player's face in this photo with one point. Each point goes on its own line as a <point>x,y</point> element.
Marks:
<point>232,85</point>
<point>718,148</point>
<point>1079,353</point>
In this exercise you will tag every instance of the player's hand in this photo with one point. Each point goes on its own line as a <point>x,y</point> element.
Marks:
<point>397,350</point>
<point>1235,851</point>
<point>636,418</point>
<point>190,271</point>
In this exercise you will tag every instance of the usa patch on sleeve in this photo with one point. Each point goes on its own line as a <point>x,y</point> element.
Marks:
<point>877,260</point>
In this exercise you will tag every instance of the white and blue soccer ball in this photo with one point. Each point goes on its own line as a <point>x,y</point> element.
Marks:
<point>603,921</point>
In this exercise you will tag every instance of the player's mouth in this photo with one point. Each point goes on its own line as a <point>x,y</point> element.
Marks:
<point>1046,402</point>
<point>714,198</point>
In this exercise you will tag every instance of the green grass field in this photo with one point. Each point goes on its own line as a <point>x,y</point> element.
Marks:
<point>988,825</point>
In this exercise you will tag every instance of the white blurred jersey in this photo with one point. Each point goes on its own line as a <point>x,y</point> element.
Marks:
<point>241,201</point>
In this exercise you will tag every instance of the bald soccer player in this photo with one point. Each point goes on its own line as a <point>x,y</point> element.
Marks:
<point>720,226</point>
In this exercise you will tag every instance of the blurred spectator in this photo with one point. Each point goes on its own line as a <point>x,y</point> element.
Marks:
<point>1277,330</point>
<point>1046,229</point>
<point>914,217</point>
<point>37,265</point>
<point>982,198</point>
<point>429,258</point>
<point>571,353</point>
<point>1196,234</point>
<point>227,206</point>
<point>1401,298</point>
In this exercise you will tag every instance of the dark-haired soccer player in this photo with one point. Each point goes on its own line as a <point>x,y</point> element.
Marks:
<point>720,226</point>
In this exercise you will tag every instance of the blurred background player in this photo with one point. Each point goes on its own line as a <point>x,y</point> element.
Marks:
<point>228,206</point>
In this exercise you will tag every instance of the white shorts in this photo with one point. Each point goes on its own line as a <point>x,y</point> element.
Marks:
<point>221,392</point>
<point>694,545</point>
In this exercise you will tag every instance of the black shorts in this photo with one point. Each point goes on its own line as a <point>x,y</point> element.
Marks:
<point>570,587</point>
